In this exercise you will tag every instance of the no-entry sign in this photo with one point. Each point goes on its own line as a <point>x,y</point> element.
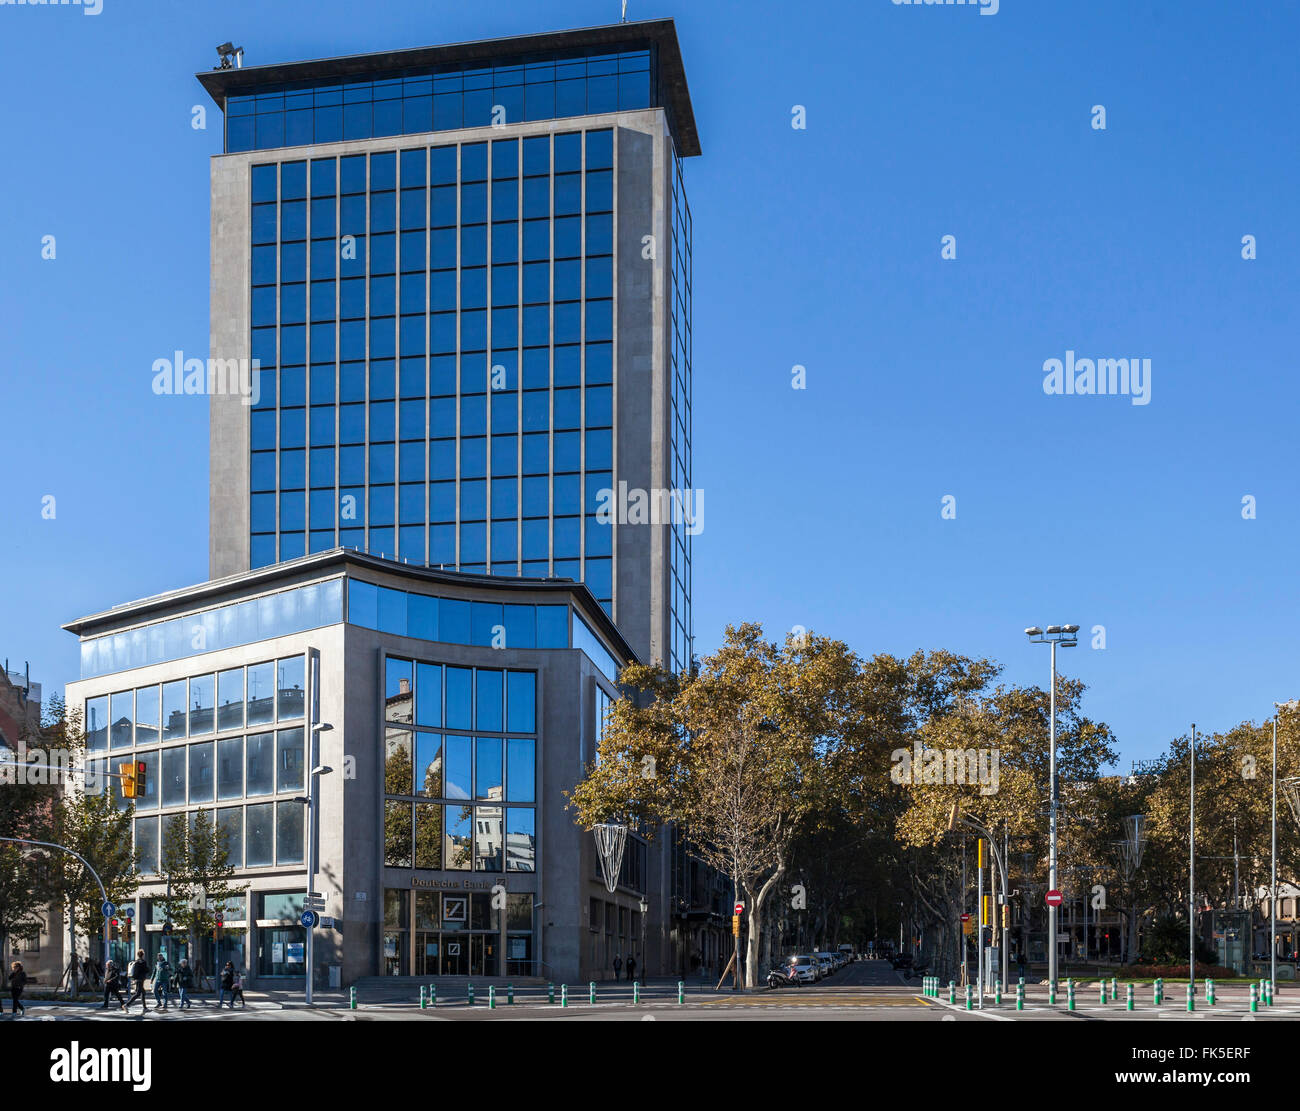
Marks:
<point>1054,899</point>
<point>740,908</point>
<point>965,917</point>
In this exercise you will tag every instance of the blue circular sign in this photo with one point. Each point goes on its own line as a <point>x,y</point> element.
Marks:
<point>107,909</point>
<point>129,912</point>
<point>308,918</point>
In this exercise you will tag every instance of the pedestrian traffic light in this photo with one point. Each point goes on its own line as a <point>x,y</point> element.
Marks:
<point>1006,917</point>
<point>127,772</point>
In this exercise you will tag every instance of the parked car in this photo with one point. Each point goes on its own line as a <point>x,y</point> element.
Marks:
<point>806,969</point>
<point>828,963</point>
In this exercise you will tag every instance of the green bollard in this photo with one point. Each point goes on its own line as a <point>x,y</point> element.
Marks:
<point>1051,992</point>
<point>1268,992</point>
<point>952,992</point>
<point>1254,1003</point>
<point>1129,1000</point>
<point>1102,985</point>
<point>471,995</point>
<point>352,1001</point>
<point>1020,996</point>
<point>1191,998</point>
<point>636,992</point>
<point>433,995</point>
<point>1114,989</point>
<point>1209,992</point>
<point>423,1001</point>
<point>681,991</point>
<point>492,997</point>
<point>550,993</point>
<point>1069,994</point>
<point>591,991</point>
<point>968,1003</point>
<point>997,993</point>
<point>564,995</point>
<point>510,994</point>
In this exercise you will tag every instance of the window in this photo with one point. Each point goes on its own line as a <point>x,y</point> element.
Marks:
<point>260,764</point>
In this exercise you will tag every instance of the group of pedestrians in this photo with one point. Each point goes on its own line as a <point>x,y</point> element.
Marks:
<point>631,966</point>
<point>166,983</point>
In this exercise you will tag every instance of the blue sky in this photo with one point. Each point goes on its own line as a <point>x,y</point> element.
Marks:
<point>816,247</point>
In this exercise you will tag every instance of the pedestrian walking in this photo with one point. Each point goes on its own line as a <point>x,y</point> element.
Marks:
<point>631,967</point>
<point>227,985</point>
<point>113,986</point>
<point>17,981</point>
<point>162,975</point>
<point>237,989</point>
<point>184,981</point>
<point>139,973</point>
<point>618,966</point>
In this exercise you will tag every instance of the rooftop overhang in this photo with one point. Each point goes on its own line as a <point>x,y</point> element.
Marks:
<point>658,33</point>
<point>322,564</point>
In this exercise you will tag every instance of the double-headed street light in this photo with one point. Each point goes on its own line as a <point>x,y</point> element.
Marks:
<point>1067,636</point>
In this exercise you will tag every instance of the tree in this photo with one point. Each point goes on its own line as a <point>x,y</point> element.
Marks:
<point>731,753</point>
<point>195,863</point>
<point>28,881</point>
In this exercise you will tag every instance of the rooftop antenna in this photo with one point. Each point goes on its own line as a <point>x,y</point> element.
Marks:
<point>624,19</point>
<point>228,51</point>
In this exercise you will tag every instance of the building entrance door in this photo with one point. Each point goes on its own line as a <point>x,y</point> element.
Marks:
<point>426,953</point>
<point>455,954</point>
<point>484,955</point>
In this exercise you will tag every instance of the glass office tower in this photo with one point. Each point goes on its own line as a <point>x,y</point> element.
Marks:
<point>464,272</point>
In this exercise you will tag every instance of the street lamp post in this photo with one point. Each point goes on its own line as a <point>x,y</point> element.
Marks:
<point>1067,637</point>
<point>1191,872</point>
<point>1272,890</point>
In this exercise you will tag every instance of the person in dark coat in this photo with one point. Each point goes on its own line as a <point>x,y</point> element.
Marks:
<point>618,966</point>
<point>17,981</point>
<point>113,986</point>
<point>227,985</point>
<point>184,981</point>
<point>631,966</point>
<point>162,976</point>
<point>139,973</point>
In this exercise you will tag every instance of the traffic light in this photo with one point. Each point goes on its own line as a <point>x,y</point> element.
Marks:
<point>127,772</point>
<point>112,929</point>
<point>141,779</point>
<point>1006,916</point>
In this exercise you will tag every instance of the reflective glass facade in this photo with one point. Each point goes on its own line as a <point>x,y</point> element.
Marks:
<point>275,615</point>
<point>228,743</point>
<point>435,327</point>
<point>439,99</point>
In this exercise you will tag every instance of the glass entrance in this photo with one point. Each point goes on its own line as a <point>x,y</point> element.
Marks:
<point>455,954</point>
<point>483,952</point>
<point>427,949</point>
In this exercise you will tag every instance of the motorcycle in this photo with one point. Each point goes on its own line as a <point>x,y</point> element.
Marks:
<point>781,978</point>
